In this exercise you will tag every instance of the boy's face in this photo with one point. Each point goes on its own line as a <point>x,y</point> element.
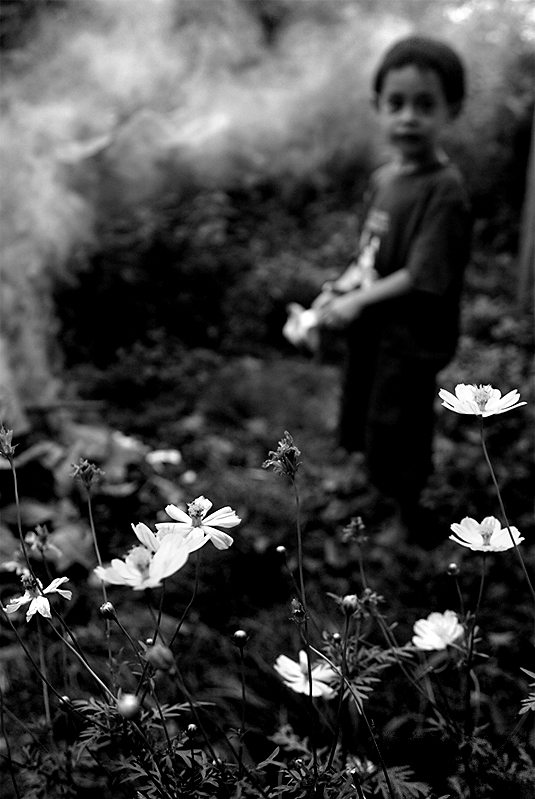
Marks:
<point>413,110</point>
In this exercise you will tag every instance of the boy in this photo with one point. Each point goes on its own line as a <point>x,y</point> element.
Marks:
<point>399,302</point>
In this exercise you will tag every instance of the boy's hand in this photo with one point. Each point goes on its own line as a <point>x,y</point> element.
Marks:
<point>340,311</point>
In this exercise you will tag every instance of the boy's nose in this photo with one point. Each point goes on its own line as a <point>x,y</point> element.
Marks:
<point>407,113</point>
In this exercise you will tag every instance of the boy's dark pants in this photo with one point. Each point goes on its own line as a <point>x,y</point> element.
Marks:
<point>387,412</point>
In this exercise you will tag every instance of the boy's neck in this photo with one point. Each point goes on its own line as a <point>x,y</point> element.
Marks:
<point>434,157</point>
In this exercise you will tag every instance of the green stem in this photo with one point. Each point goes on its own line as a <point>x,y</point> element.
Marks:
<point>502,508</point>
<point>42,665</point>
<point>360,707</point>
<point>10,761</point>
<point>190,603</point>
<point>470,655</point>
<point>341,694</point>
<point>82,660</point>
<point>305,627</point>
<point>243,703</point>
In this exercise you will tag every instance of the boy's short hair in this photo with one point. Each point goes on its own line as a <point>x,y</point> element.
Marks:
<point>426,53</point>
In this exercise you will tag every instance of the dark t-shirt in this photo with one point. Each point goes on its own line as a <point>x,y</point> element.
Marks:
<point>420,221</point>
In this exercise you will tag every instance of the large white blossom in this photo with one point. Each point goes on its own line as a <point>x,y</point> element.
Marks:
<point>438,631</point>
<point>295,676</point>
<point>147,565</point>
<point>485,536</point>
<point>479,400</point>
<point>196,528</point>
<point>35,596</point>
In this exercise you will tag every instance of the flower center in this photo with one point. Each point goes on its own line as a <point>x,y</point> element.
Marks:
<point>486,529</point>
<point>33,587</point>
<point>198,509</point>
<point>482,394</point>
<point>140,558</point>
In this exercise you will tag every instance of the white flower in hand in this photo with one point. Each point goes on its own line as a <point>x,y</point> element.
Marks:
<point>147,565</point>
<point>438,631</point>
<point>487,536</point>
<point>479,400</point>
<point>196,527</point>
<point>295,676</point>
<point>35,596</point>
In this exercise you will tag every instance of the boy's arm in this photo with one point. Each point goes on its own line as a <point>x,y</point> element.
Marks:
<point>344,308</point>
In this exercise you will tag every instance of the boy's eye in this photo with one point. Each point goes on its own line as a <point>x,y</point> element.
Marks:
<point>395,102</point>
<point>424,104</point>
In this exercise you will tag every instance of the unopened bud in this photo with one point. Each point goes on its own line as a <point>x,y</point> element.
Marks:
<point>350,603</point>
<point>107,611</point>
<point>6,447</point>
<point>129,706</point>
<point>453,569</point>
<point>191,730</point>
<point>336,638</point>
<point>298,612</point>
<point>281,551</point>
<point>65,702</point>
<point>240,638</point>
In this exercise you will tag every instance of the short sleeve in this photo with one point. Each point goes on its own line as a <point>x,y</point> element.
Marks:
<point>440,249</point>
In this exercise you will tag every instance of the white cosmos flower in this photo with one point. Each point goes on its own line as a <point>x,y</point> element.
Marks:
<point>196,527</point>
<point>295,676</point>
<point>34,595</point>
<point>485,536</point>
<point>479,400</point>
<point>147,565</point>
<point>437,631</point>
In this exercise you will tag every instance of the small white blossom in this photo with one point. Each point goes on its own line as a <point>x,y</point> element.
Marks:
<point>479,400</point>
<point>438,631</point>
<point>147,565</point>
<point>295,676</point>
<point>485,536</point>
<point>35,596</point>
<point>196,528</point>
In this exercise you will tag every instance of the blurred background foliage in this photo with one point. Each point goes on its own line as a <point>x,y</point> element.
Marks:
<point>175,173</point>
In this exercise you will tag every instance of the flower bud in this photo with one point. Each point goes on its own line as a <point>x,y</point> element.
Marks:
<point>191,730</point>
<point>65,702</point>
<point>350,603</point>
<point>160,657</point>
<point>129,706</point>
<point>281,551</point>
<point>298,612</point>
<point>453,569</point>
<point>107,611</point>
<point>336,638</point>
<point>240,638</point>
<point>6,447</point>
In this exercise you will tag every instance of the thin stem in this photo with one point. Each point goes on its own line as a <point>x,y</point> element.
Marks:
<point>341,695</point>
<point>368,725</point>
<point>42,665</point>
<point>85,663</point>
<point>470,655</point>
<point>10,761</point>
<point>243,703</point>
<point>502,508</point>
<point>305,626</point>
<point>194,594</point>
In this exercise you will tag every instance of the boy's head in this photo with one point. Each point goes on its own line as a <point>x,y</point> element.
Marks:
<point>426,54</point>
<point>419,88</point>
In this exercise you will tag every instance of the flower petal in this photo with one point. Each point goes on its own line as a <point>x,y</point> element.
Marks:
<point>146,536</point>
<point>53,587</point>
<point>178,514</point>
<point>39,604</point>
<point>225,517</point>
<point>171,556</point>
<point>219,539</point>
